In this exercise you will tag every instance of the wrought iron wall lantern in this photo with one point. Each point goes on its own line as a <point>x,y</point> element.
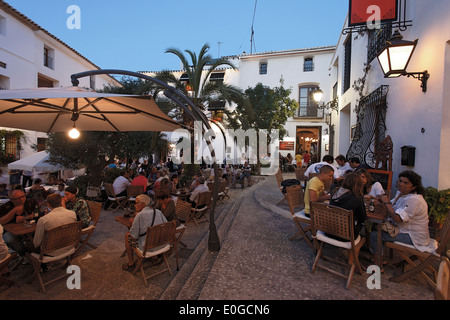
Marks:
<point>333,104</point>
<point>395,56</point>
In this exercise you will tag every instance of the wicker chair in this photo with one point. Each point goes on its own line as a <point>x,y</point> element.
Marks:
<point>120,201</point>
<point>221,195</point>
<point>183,211</point>
<point>63,237</point>
<point>133,191</point>
<point>300,175</point>
<point>202,205</point>
<point>159,240</point>
<point>95,208</point>
<point>443,280</point>
<point>279,176</point>
<point>295,197</point>
<point>3,264</point>
<point>426,259</point>
<point>326,221</point>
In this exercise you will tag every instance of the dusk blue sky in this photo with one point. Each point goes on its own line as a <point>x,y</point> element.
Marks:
<point>133,35</point>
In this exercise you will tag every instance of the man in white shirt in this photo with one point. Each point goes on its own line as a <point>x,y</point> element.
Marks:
<point>57,217</point>
<point>145,217</point>
<point>202,187</point>
<point>315,168</point>
<point>343,164</point>
<point>121,183</point>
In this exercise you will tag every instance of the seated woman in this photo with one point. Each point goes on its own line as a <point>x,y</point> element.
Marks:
<point>409,211</point>
<point>350,197</point>
<point>371,187</point>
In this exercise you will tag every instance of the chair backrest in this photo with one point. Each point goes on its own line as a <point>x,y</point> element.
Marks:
<point>60,237</point>
<point>300,173</point>
<point>295,197</point>
<point>109,190</point>
<point>222,185</point>
<point>332,220</point>
<point>384,177</point>
<point>443,280</point>
<point>183,209</point>
<point>279,176</point>
<point>204,198</point>
<point>134,190</point>
<point>94,209</point>
<point>159,235</point>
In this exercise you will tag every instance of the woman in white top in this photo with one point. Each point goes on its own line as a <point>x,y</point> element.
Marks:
<point>409,211</point>
<point>371,187</point>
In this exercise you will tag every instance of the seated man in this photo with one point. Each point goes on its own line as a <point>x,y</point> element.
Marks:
<point>140,180</point>
<point>202,187</point>
<point>77,204</point>
<point>315,168</point>
<point>17,211</point>
<point>57,217</point>
<point>246,169</point>
<point>315,188</point>
<point>344,165</point>
<point>356,164</point>
<point>145,217</point>
<point>120,184</point>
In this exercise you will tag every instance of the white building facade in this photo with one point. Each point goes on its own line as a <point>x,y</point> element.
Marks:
<point>415,120</point>
<point>302,71</point>
<point>31,57</point>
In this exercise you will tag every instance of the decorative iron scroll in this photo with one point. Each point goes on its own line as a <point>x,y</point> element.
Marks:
<point>370,127</point>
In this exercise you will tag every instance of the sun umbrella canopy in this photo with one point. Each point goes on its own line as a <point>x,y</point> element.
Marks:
<point>58,109</point>
<point>37,162</point>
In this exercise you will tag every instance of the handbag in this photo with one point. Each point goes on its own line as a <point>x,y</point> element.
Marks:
<point>390,228</point>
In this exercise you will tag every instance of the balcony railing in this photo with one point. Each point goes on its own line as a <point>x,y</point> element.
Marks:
<point>310,111</point>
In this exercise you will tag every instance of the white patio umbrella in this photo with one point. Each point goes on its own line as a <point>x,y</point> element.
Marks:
<point>37,162</point>
<point>59,109</point>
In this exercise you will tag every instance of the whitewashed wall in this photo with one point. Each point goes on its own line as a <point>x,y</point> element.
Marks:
<point>409,109</point>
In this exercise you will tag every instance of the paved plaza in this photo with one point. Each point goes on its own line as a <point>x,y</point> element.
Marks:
<point>257,261</point>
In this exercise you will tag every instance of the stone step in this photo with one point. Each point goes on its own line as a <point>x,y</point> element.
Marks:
<point>188,282</point>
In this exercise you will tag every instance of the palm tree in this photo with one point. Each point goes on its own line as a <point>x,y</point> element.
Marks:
<point>203,92</point>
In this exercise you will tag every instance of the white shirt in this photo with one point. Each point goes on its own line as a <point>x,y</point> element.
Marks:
<point>57,217</point>
<point>120,184</point>
<point>346,167</point>
<point>200,188</point>
<point>413,210</point>
<point>315,168</point>
<point>142,221</point>
<point>376,190</point>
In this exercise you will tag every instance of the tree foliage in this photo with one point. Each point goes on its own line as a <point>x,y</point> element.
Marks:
<point>93,148</point>
<point>267,108</point>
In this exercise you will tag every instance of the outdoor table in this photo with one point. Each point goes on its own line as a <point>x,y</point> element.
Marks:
<point>377,216</point>
<point>126,221</point>
<point>3,201</point>
<point>20,229</point>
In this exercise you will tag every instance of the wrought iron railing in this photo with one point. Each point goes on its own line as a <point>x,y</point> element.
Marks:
<point>370,127</point>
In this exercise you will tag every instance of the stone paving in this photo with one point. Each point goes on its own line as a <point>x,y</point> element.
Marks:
<point>257,261</point>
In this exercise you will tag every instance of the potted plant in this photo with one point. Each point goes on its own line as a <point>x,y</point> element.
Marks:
<point>438,205</point>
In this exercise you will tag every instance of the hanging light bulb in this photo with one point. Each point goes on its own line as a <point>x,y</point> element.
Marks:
<point>74,133</point>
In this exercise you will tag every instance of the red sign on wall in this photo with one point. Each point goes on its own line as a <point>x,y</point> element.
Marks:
<point>286,145</point>
<point>362,11</point>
